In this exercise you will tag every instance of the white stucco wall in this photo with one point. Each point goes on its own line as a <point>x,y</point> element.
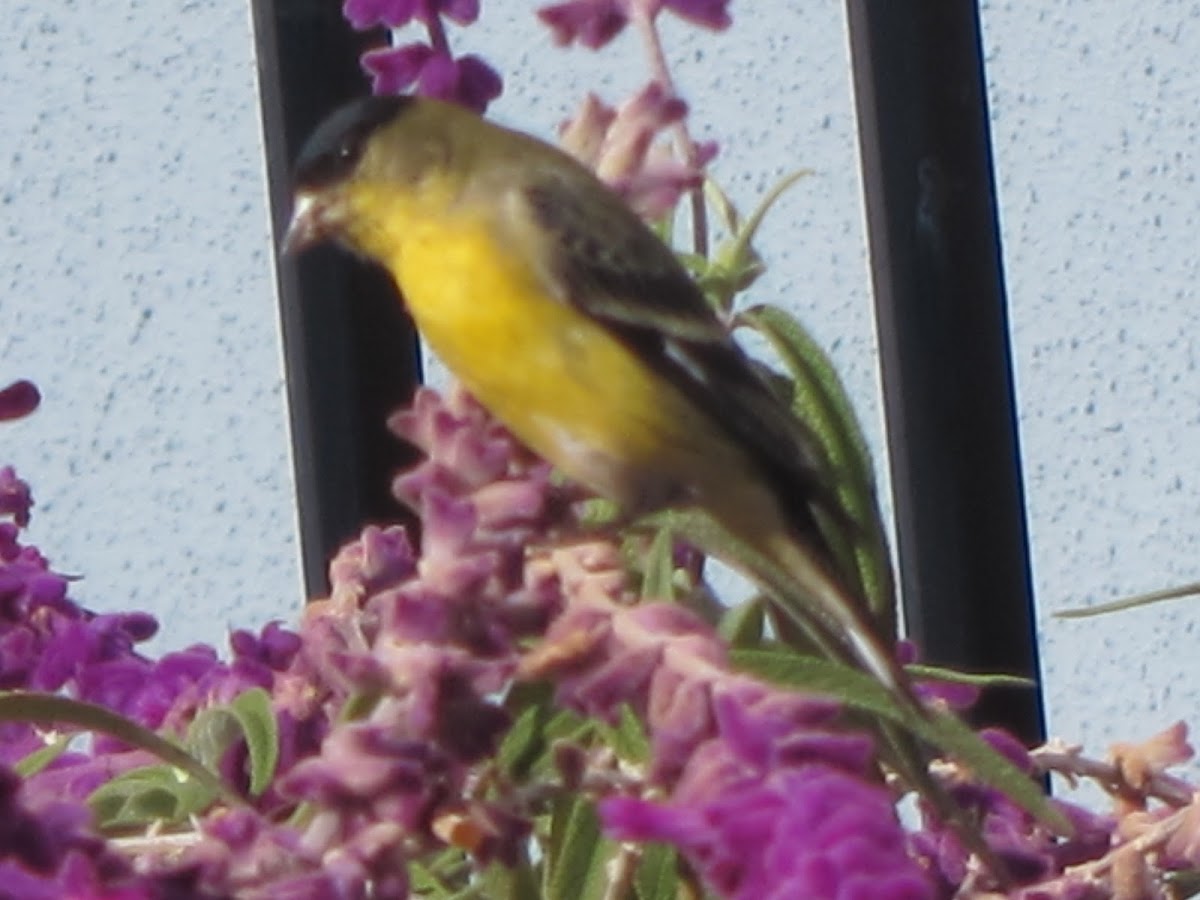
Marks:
<point>1096,136</point>
<point>136,289</point>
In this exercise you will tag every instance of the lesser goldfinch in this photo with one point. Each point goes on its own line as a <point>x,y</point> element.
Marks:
<point>579,329</point>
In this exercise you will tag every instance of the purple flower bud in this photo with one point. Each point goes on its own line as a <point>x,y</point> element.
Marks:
<point>596,22</point>
<point>15,498</point>
<point>19,399</point>
<point>619,146</point>
<point>712,14</point>
<point>364,14</point>
<point>467,80</point>
<point>811,831</point>
<point>394,69</point>
<point>380,558</point>
<point>275,647</point>
<point>591,22</point>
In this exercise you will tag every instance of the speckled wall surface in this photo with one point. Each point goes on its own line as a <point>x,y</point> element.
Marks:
<point>1097,135</point>
<point>136,288</point>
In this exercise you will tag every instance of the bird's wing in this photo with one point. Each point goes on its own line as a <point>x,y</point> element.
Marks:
<point>609,264</point>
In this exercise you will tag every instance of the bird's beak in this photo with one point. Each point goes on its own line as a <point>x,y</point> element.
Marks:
<point>305,228</point>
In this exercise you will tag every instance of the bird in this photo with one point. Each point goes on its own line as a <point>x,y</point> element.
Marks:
<point>580,330</point>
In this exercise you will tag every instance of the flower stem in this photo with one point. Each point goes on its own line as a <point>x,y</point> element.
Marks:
<point>684,145</point>
<point>437,34</point>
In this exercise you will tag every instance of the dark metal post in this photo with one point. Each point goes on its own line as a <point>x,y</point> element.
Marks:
<point>350,352</point>
<point>943,332</point>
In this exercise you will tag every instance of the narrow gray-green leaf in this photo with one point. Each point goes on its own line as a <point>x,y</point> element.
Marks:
<point>579,854</point>
<point>743,624</point>
<point>424,883</point>
<point>39,759</point>
<point>657,876</point>
<point>48,709</point>
<point>1175,593</point>
<point>502,881</point>
<point>821,402</point>
<point>952,737</point>
<point>703,530</point>
<point>726,212</point>
<point>628,736</point>
<point>740,248</point>
<point>524,741</point>
<point>510,883</point>
<point>974,679</point>
<point>658,566</point>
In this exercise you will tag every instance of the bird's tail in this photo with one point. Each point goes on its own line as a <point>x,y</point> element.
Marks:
<point>807,593</point>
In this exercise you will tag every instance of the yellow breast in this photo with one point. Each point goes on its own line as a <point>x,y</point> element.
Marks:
<point>562,382</point>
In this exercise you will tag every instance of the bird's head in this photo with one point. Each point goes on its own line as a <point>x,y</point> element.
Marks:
<point>369,167</point>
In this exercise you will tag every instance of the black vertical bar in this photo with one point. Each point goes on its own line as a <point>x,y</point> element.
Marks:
<point>350,353</point>
<point>943,333</point>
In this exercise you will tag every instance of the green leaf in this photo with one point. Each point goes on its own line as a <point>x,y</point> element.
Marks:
<point>628,737</point>
<point>1187,590</point>
<point>39,759</point>
<point>743,624</point>
<point>658,574</point>
<point>525,740</point>
<point>975,679</point>
<point>1183,884</point>
<point>210,733</point>
<point>720,203</point>
<point>820,401</point>
<point>657,876</point>
<point>149,795</point>
<point>862,692</point>
<point>48,709</point>
<point>512,883</point>
<point>440,874</point>
<point>578,853</point>
<point>703,530</point>
<point>248,717</point>
<point>736,264</point>
<point>423,882</point>
<point>747,232</point>
<point>252,709</point>
<point>562,725</point>
<point>597,511</point>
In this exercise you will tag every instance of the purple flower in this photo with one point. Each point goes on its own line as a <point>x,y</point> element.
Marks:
<point>435,637</point>
<point>814,830</point>
<point>364,14</point>
<point>591,22</point>
<point>274,648</point>
<point>429,68</point>
<point>467,80</point>
<point>19,399</point>
<point>767,795</point>
<point>596,22</point>
<point>15,498</point>
<point>1028,849</point>
<point>47,849</point>
<point>619,146</point>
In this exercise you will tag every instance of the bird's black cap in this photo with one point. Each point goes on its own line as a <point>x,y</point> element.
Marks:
<point>334,149</point>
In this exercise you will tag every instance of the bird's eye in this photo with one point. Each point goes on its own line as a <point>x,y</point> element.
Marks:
<point>336,163</point>
<point>336,148</point>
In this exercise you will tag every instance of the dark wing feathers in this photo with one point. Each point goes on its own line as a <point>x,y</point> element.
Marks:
<point>611,261</point>
<point>615,269</point>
